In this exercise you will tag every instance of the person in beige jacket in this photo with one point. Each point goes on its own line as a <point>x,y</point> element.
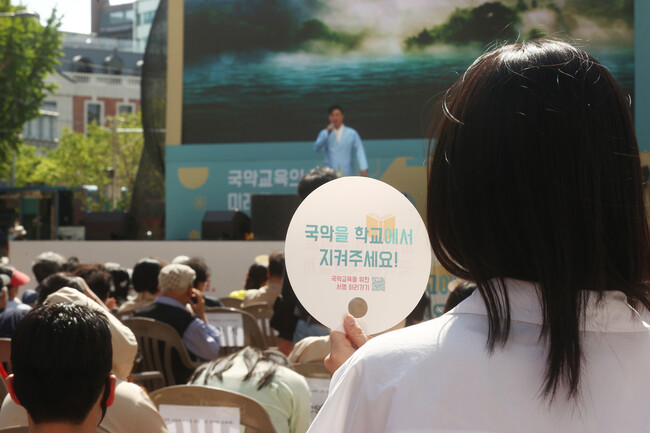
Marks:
<point>132,410</point>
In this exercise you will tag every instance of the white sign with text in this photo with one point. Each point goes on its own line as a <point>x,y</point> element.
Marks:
<point>358,245</point>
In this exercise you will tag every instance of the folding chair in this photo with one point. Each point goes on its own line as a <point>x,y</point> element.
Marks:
<point>150,380</point>
<point>318,379</point>
<point>162,349</point>
<point>263,312</point>
<point>230,302</point>
<point>312,369</point>
<point>25,429</point>
<point>5,354</point>
<point>252,414</point>
<point>238,329</point>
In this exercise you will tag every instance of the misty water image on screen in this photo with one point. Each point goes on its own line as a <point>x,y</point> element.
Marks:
<point>267,70</point>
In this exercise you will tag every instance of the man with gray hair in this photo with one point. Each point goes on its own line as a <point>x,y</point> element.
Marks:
<point>200,338</point>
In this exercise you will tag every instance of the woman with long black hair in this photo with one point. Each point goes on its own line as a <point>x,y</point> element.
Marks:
<point>535,194</point>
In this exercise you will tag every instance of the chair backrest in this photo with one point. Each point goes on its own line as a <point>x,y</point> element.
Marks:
<point>161,347</point>
<point>5,359</point>
<point>263,312</point>
<point>230,302</point>
<point>236,322</point>
<point>149,380</point>
<point>25,429</point>
<point>3,390</point>
<point>312,369</point>
<point>5,354</point>
<point>252,414</point>
<point>318,380</point>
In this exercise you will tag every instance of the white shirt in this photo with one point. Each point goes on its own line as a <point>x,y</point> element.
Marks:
<point>339,132</point>
<point>438,376</point>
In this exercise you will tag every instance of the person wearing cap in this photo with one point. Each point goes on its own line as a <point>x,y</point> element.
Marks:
<point>200,338</point>
<point>16,279</point>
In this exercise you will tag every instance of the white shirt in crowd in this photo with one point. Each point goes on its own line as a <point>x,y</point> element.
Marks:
<point>438,376</point>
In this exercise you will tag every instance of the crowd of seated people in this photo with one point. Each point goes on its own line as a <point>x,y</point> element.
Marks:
<point>169,293</point>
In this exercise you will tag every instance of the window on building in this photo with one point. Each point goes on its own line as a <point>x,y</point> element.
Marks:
<point>27,132</point>
<point>125,109</point>
<point>43,129</point>
<point>54,127</point>
<point>48,128</point>
<point>116,18</point>
<point>147,17</point>
<point>50,117</point>
<point>49,106</point>
<point>93,113</point>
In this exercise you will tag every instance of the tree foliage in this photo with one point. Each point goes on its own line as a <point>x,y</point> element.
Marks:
<point>486,23</point>
<point>521,6</point>
<point>84,159</point>
<point>251,25</point>
<point>605,10</point>
<point>28,53</point>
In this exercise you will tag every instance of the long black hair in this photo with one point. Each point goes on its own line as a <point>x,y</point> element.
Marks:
<point>536,176</point>
<point>265,363</point>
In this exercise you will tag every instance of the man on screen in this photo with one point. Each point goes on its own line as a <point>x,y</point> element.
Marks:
<point>341,144</point>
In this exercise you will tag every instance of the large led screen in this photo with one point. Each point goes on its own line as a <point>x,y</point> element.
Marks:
<point>266,70</point>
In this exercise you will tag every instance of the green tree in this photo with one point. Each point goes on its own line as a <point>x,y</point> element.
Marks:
<point>22,165</point>
<point>88,160</point>
<point>28,53</point>
<point>535,33</point>
<point>489,22</point>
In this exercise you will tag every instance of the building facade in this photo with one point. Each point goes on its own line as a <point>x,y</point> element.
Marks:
<point>98,78</point>
<point>145,11</point>
<point>111,21</point>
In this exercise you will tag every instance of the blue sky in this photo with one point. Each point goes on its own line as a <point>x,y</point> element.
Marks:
<point>76,13</point>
